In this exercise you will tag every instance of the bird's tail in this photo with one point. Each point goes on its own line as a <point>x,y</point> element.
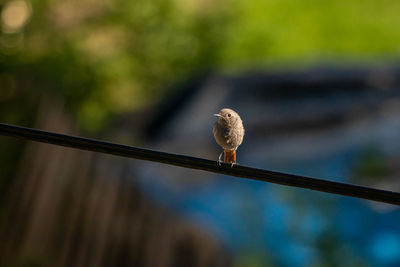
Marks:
<point>230,156</point>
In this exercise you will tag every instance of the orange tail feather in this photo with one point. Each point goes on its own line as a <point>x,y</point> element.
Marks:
<point>230,156</point>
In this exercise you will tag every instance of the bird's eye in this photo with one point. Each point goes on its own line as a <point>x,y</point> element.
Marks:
<point>229,115</point>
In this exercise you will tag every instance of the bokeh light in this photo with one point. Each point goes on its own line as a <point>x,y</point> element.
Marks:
<point>14,15</point>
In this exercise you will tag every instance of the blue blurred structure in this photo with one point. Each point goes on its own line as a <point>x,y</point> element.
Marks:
<point>331,123</point>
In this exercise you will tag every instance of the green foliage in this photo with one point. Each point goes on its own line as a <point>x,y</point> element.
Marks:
<point>252,259</point>
<point>332,252</point>
<point>371,165</point>
<point>296,31</point>
<point>104,58</point>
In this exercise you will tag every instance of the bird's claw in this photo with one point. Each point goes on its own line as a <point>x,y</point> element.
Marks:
<point>219,159</point>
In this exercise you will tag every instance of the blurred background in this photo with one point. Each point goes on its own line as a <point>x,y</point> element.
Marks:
<point>315,82</point>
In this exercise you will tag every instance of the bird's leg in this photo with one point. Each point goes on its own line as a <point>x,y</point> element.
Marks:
<point>219,158</point>
<point>234,158</point>
<point>230,156</point>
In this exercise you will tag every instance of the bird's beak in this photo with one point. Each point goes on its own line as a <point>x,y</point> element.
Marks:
<point>217,115</point>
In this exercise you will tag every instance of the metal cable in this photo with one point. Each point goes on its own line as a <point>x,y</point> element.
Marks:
<point>201,164</point>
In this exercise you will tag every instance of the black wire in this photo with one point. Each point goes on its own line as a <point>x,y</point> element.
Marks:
<point>201,164</point>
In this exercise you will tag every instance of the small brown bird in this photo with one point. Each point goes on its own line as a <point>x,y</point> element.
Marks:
<point>228,132</point>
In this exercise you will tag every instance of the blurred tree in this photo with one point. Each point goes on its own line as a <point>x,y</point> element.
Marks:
<point>103,58</point>
<point>106,57</point>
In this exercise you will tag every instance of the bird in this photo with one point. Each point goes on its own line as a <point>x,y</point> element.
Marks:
<point>228,132</point>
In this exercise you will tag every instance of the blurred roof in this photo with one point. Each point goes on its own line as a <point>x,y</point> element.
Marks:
<point>267,99</point>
